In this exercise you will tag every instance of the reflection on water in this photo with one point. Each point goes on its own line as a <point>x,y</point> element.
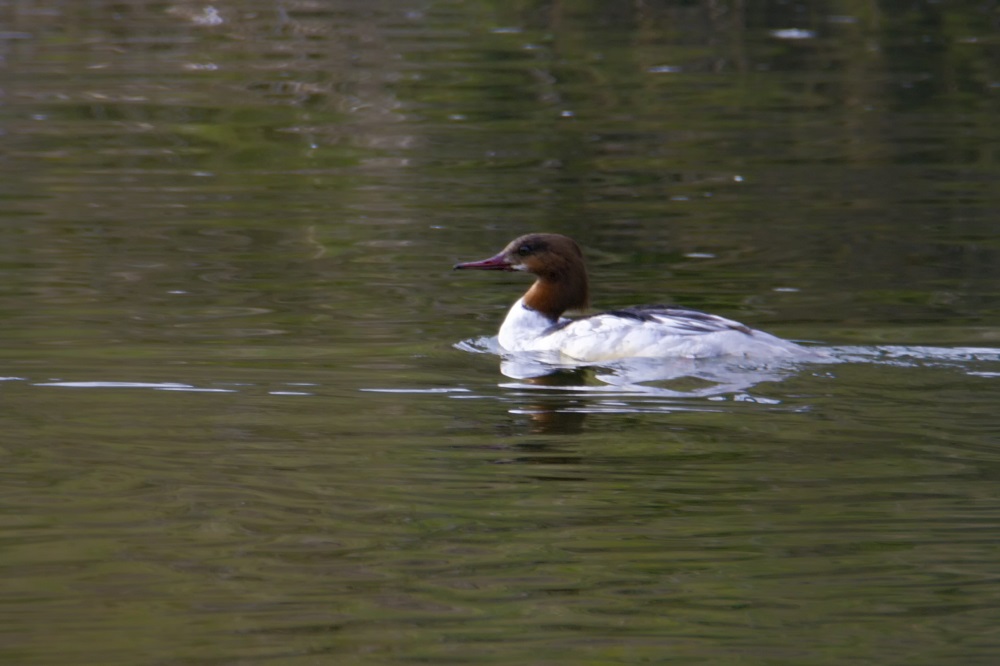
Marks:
<point>672,377</point>
<point>701,378</point>
<point>558,398</point>
<point>234,426</point>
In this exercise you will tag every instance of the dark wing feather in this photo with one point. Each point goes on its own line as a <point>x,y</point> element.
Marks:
<point>686,318</point>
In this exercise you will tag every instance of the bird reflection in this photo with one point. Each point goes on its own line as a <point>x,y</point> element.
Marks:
<point>558,397</point>
<point>675,377</point>
<point>559,413</point>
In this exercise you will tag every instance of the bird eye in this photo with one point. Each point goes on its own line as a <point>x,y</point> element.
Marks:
<point>524,250</point>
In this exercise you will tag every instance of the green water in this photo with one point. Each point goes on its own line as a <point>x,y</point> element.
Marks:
<point>236,427</point>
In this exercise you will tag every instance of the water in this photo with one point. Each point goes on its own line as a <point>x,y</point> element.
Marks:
<point>247,411</point>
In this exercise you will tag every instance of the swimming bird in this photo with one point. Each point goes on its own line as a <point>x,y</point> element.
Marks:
<point>535,323</point>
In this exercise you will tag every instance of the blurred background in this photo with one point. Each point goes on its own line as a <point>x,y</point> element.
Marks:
<point>236,427</point>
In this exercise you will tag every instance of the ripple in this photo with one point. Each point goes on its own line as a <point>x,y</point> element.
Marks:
<point>161,386</point>
<point>414,390</point>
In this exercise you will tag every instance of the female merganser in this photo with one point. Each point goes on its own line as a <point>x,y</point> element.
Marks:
<point>535,322</point>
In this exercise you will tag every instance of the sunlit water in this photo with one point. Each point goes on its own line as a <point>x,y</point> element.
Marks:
<point>249,414</point>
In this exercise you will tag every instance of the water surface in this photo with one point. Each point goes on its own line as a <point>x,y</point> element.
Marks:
<point>242,421</point>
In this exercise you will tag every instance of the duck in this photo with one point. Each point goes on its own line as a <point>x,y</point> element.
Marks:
<point>536,321</point>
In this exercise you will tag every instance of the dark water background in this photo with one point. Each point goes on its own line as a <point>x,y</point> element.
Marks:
<point>235,425</point>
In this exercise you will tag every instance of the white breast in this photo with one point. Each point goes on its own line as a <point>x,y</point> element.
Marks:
<point>524,329</point>
<point>667,333</point>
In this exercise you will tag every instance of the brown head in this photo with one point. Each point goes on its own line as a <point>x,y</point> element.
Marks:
<point>557,263</point>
